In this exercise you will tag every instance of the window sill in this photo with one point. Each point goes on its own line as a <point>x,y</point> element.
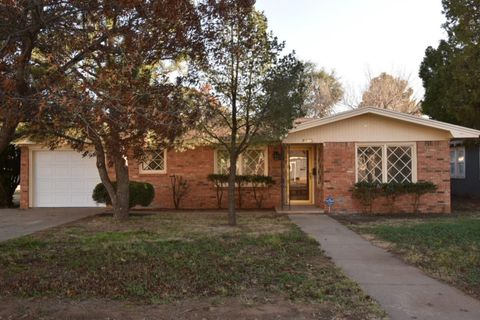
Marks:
<point>150,173</point>
<point>247,185</point>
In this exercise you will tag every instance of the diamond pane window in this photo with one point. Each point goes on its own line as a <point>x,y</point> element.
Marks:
<point>369,164</point>
<point>250,162</point>
<point>385,163</point>
<point>253,162</point>
<point>154,161</point>
<point>223,161</point>
<point>399,164</point>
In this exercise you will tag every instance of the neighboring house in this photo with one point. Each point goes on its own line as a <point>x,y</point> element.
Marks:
<point>465,168</point>
<point>317,159</point>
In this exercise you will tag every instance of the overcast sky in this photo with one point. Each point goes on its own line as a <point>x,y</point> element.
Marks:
<point>355,37</point>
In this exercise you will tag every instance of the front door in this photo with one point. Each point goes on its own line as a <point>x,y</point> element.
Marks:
<point>300,160</point>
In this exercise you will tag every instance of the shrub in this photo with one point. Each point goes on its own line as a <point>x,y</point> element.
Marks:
<point>419,189</point>
<point>179,187</point>
<point>219,181</point>
<point>240,181</point>
<point>141,193</point>
<point>259,181</point>
<point>391,191</point>
<point>366,192</point>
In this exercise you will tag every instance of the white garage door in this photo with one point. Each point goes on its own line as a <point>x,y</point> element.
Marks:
<point>63,179</point>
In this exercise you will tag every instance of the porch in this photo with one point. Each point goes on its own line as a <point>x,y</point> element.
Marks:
<point>301,176</point>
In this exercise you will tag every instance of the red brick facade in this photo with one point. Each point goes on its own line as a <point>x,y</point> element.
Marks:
<point>24,177</point>
<point>338,175</point>
<point>194,166</point>
<point>335,164</point>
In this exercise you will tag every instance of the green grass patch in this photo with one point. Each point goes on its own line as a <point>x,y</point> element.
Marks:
<point>161,258</point>
<point>447,248</point>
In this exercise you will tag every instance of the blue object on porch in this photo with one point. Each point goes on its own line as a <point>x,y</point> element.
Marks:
<point>329,202</point>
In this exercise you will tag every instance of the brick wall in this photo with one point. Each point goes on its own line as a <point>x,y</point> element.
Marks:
<point>24,177</point>
<point>432,165</point>
<point>194,166</point>
<point>337,174</point>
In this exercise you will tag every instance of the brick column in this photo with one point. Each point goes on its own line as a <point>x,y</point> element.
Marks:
<point>24,177</point>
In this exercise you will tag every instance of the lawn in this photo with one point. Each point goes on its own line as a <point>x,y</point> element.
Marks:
<point>182,259</point>
<point>446,247</point>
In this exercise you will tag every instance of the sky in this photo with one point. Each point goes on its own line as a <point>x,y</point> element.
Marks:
<point>356,38</point>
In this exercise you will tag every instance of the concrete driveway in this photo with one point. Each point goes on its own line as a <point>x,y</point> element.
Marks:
<point>15,223</point>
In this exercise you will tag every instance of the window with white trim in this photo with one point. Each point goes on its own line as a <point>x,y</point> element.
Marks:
<point>457,162</point>
<point>384,163</point>
<point>154,162</point>
<point>252,161</point>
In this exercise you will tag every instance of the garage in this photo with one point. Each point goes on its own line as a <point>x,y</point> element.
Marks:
<point>62,178</point>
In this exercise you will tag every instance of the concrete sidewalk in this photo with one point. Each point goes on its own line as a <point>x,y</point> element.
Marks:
<point>15,223</point>
<point>402,290</point>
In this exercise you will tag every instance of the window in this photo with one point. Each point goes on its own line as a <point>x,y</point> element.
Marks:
<point>223,161</point>
<point>399,163</point>
<point>386,163</point>
<point>457,162</point>
<point>154,162</point>
<point>369,164</point>
<point>251,161</point>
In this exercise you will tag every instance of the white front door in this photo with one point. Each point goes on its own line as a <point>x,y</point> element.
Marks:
<point>63,179</point>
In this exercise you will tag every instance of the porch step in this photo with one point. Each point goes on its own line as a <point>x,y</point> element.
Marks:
<point>299,209</point>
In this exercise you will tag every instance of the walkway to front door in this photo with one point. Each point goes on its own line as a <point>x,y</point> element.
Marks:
<point>402,290</point>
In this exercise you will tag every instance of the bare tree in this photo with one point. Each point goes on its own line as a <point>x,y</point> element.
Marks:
<point>255,91</point>
<point>390,92</point>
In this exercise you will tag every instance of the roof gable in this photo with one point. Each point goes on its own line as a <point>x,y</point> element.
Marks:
<point>454,130</point>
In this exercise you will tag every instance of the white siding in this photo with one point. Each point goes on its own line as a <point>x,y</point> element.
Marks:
<point>367,128</point>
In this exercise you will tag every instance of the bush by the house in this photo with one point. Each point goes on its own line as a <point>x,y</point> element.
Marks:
<point>179,188</point>
<point>367,192</point>
<point>258,183</point>
<point>419,189</point>
<point>141,194</point>
<point>219,181</point>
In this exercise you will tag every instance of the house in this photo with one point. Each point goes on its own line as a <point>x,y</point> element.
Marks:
<point>317,159</point>
<point>465,168</point>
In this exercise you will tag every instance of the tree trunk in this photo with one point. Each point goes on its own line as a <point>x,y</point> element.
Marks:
<point>232,215</point>
<point>4,201</point>
<point>7,133</point>
<point>119,195</point>
<point>122,205</point>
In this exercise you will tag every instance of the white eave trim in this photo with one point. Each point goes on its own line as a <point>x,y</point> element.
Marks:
<point>24,142</point>
<point>455,131</point>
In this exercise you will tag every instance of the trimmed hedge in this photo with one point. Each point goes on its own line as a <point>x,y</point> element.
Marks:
<point>141,194</point>
<point>367,192</point>
<point>257,182</point>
